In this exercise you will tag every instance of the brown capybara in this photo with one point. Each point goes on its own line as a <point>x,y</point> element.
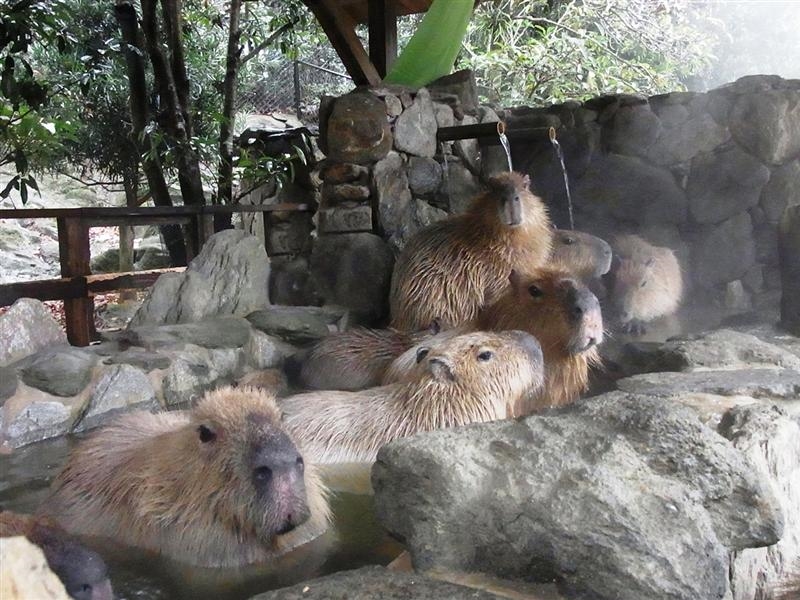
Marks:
<point>559,311</point>
<point>474,377</point>
<point>356,359</point>
<point>269,380</point>
<point>646,282</point>
<point>584,255</point>
<point>222,484</point>
<point>81,570</point>
<point>452,268</point>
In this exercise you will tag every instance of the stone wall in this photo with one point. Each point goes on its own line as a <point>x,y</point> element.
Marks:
<point>708,174</point>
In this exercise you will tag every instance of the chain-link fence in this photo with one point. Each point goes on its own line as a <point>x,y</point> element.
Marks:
<point>295,86</point>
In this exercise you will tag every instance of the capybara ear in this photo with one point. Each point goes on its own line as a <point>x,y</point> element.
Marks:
<point>515,279</point>
<point>435,326</point>
<point>421,354</point>
<point>526,181</point>
<point>441,370</point>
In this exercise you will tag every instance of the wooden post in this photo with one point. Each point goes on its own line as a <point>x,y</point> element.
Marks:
<point>73,250</point>
<point>382,35</point>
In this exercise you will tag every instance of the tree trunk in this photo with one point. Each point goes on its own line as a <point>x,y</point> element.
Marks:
<point>130,182</point>
<point>126,16</point>
<point>225,172</point>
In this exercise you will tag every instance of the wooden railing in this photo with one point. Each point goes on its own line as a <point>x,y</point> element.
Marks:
<point>77,286</point>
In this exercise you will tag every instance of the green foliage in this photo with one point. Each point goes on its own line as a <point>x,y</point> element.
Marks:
<point>539,52</point>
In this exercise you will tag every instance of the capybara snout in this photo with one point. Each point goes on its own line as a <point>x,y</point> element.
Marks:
<point>587,319</point>
<point>532,348</point>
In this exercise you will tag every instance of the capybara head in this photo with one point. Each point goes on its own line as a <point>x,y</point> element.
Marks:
<point>514,203</point>
<point>241,452</point>
<point>582,254</point>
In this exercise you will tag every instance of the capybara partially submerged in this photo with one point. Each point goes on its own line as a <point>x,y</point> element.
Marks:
<point>220,485</point>
<point>356,359</point>
<point>584,255</point>
<point>81,570</point>
<point>471,378</point>
<point>452,268</point>
<point>559,311</point>
<point>646,282</point>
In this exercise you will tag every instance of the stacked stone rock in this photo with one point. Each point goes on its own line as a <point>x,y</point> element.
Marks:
<point>707,174</point>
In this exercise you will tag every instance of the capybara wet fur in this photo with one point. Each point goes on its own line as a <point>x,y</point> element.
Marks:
<point>471,378</point>
<point>452,268</point>
<point>586,256</point>
<point>646,283</point>
<point>222,484</point>
<point>82,571</point>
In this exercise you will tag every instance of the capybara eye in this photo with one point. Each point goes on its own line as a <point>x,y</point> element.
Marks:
<point>86,588</point>
<point>644,283</point>
<point>568,241</point>
<point>535,291</point>
<point>485,356</point>
<point>421,354</point>
<point>262,474</point>
<point>206,434</point>
<point>300,463</point>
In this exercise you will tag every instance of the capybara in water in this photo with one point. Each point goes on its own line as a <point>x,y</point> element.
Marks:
<point>356,359</point>
<point>584,255</point>
<point>222,484</point>
<point>269,380</point>
<point>472,378</point>
<point>452,268</point>
<point>559,311</point>
<point>81,570</point>
<point>646,282</point>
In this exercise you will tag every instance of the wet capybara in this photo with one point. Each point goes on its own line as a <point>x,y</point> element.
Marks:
<point>270,380</point>
<point>559,311</point>
<point>356,359</point>
<point>646,282</point>
<point>584,255</point>
<point>81,570</point>
<point>452,268</point>
<point>471,378</point>
<point>222,484</point>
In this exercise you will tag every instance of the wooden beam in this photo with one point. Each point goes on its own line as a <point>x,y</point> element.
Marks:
<point>111,282</point>
<point>47,289</point>
<point>382,34</point>
<point>73,248</point>
<point>340,29</point>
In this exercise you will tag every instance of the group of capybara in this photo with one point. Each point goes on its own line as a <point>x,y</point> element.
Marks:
<point>492,315</point>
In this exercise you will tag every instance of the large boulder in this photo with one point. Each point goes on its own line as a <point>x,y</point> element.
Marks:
<point>353,270</point>
<point>32,415</point>
<point>767,124</point>
<point>724,252</point>
<point>620,497</point>
<point>789,251</point>
<point>415,129</point>
<point>195,370</point>
<point>26,327</point>
<point>782,190</point>
<point>60,371</point>
<point>299,324</point>
<point>121,388</point>
<point>215,332</point>
<point>680,142</point>
<point>357,130</point>
<point>230,276</point>
<point>394,197</point>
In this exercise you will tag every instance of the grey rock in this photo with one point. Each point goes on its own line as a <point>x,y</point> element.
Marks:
<point>357,130</point>
<point>725,252</point>
<point>633,130</point>
<point>345,192</point>
<point>415,129</point>
<point>736,297</point>
<point>782,190</point>
<point>334,173</point>
<point>290,236</point>
<point>631,189</point>
<point>289,281</point>
<point>26,327</point>
<point>369,583</point>
<point>266,351</point>
<point>230,276</point>
<point>39,419</point>
<point>121,388</point>
<point>756,383</point>
<point>25,573</point>
<point>663,496</point>
<point>345,219</point>
<point>459,186</point>
<point>681,142</point>
<point>467,149</point>
<point>297,324</point>
<point>771,441</point>
<point>767,125</point>
<point>139,358</point>
<point>354,271</point>
<point>61,371</point>
<point>753,280</point>
<point>393,105</point>
<point>8,383</point>
<point>221,332</point>
<point>789,252</point>
<point>195,370</point>
<point>424,175</point>
<point>444,115</point>
<point>462,85</point>
<point>723,184</point>
<point>394,196</point>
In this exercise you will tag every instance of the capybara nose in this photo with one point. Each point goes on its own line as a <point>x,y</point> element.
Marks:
<point>531,345</point>
<point>287,525</point>
<point>278,457</point>
<point>102,591</point>
<point>583,303</point>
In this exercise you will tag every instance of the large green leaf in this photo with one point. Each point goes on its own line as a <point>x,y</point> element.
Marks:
<point>432,50</point>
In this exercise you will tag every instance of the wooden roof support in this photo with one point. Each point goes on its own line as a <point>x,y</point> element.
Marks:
<point>382,34</point>
<point>340,29</point>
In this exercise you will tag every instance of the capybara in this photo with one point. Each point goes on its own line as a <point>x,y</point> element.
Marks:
<point>269,380</point>
<point>472,378</point>
<point>559,311</point>
<point>646,282</point>
<point>81,570</point>
<point>222,484</point>
<point>356,359</point>
<point>452,268</point>
<point>789,588</point>
<point>584,255</point>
